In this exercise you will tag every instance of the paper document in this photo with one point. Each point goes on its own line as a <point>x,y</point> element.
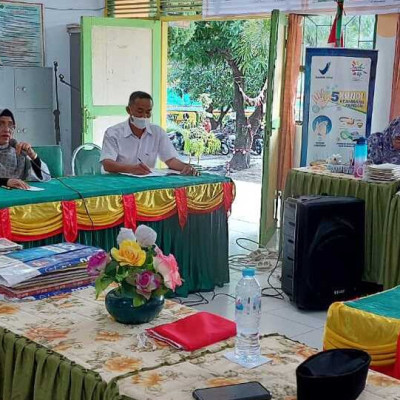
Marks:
<point>155,172</point>
<point>34,189</point>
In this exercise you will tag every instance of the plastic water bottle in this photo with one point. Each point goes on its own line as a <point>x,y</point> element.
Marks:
<point>360,157</point>
<point>247,316</point>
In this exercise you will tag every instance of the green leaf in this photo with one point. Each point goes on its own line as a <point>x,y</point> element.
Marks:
<point>149,258</point>
<point>127,289</point>
<point>122,273</point>
<point>138,300</point>
<point>111,268</point>
<point>161,291</point>
<point>102,283</point>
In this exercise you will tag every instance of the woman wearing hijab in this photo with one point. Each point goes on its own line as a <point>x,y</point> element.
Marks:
<point>384,147</point>
<point>18,161</point>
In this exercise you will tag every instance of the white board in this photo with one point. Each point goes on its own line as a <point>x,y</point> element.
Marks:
<point>121,63</point>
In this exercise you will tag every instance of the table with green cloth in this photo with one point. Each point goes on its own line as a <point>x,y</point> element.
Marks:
<point>378,198</point>
<point>68,347</point>
<point>189,215</point>
<point>391,273</point>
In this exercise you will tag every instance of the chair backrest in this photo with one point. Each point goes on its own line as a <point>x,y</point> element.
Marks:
<point>86,160</point>
<point>52,156</point>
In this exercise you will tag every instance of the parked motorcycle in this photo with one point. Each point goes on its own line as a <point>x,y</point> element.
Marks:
<point>177,140</point>
<point>258,142</point>
<point>224,142</point>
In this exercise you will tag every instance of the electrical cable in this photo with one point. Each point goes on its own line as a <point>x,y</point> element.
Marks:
<point>222,294</point>
<point>255,258</point>
<point>93,237</point>
<point>279,293</point>
<point>194,303</point>
<point>260,259</point>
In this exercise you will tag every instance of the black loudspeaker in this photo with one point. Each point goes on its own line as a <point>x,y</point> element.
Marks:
<point>323,249</point>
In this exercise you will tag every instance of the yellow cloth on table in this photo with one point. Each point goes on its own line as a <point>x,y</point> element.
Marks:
<point>369,324</point>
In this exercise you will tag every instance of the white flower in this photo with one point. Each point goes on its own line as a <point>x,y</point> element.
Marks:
<point>125,234</point>
<point>145,236</point>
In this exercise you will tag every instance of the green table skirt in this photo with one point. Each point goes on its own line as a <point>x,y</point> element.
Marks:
<point>392,253</point>
<point>377,197</point>
<point>29,371</point>
<point>201,247</point>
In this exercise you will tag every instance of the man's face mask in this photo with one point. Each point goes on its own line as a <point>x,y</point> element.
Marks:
<point>140,123</point>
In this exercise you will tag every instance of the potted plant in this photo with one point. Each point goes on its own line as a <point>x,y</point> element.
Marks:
<point>142,275</point>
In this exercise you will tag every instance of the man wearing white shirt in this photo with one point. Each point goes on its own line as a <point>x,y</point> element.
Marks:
<point>134,145</point>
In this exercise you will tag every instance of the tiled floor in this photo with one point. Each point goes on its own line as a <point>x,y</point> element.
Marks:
<point>277,315</point>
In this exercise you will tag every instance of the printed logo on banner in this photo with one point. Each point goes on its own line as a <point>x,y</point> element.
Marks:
<point>323,71</point>
<point>358,70</point>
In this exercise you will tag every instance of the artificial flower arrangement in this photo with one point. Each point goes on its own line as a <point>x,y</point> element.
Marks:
<point>138,267</point>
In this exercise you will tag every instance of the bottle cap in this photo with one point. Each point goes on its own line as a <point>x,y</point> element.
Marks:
<point>361,140</point>
<point>249,272</point>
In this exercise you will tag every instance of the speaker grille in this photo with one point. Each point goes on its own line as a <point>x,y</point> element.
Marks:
<point>323,249</point>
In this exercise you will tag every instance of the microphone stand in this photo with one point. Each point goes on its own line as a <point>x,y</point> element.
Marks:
<point>56,112</point>
<point>62,80</point>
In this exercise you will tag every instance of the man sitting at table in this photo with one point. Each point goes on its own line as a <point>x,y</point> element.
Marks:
<point>18,161</point>
<point>133,146</point>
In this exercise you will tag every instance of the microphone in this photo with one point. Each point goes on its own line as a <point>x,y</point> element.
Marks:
<point>13,143</point>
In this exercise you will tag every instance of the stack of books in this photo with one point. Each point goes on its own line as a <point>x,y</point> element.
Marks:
<point>45,271</point>
<point>382,172</point>
<point>7,245</point>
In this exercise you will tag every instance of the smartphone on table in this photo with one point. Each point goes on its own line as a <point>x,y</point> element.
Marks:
<point>240,391</point>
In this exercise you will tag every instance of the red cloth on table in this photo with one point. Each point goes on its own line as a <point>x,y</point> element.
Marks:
<point>195,331</point>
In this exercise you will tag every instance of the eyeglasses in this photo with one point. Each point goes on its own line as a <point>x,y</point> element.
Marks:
<point>5,125</point>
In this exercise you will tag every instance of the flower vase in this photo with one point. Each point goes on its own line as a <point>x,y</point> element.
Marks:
<point>122,310</point>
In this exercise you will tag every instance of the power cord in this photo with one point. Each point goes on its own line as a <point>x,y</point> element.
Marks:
<point>256,257</point>
<point>278,291</point>
<point>193,303</point>
<point>261,259</point>
<point>93,237</point>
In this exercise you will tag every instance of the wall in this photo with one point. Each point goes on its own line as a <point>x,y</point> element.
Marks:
<point>385,44</point>
<point>57,15</point>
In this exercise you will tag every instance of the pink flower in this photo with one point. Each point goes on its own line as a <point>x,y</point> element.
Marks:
<point>168,268</point>
<point>97,263</point>
<point>146,282</point>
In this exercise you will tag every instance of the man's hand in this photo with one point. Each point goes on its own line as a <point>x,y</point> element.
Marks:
<point>178,165</point>
<point>17,184</point>
<point>189,170</point>
<point>23,146</point>
<point>140,169</point>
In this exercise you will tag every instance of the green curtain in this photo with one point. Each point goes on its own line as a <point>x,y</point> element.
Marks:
<point>392,253</point>
<point>31,372</point>
<point>377,197</point>
<point>201,247</point>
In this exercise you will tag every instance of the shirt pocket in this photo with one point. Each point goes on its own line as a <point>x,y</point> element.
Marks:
<point>149,158</point>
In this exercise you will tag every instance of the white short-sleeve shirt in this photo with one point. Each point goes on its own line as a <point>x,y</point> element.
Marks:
<point>121,145</point>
